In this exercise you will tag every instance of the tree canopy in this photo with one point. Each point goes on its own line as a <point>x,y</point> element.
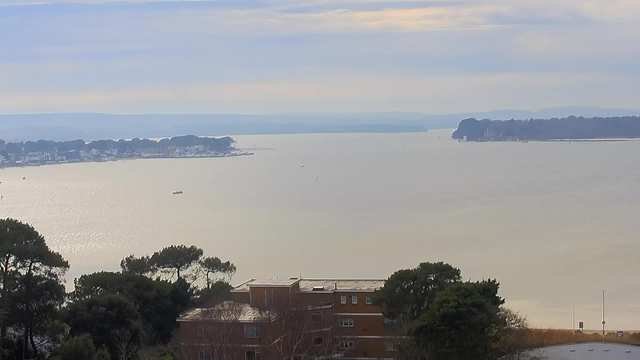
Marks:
<point>138,266</point>
<point>538,129</point>
<point>214,144</point>
<point>447,319</point>
<point>109,315</point>
<point>176,259</point>
<point>407,293</point>
<point>31,283</point>
<point>213,265</point>
<point>462,323</point>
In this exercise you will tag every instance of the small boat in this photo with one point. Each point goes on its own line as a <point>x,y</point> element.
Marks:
<point>179,192</point>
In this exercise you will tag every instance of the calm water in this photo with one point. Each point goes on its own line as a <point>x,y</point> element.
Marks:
<point>554,222</point>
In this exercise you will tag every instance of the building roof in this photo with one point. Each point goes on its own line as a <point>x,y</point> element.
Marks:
<point>273,282</point>
<point>587,351</point>
<point>338,285</point>
<point>227,311</point>
<point>330,285</point>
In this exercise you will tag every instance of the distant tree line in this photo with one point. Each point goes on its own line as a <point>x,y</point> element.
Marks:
<point>214,144</point>
<point>536,129</point>
<point>127,315</point>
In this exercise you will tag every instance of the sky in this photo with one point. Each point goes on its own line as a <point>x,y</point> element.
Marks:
<point>276,56</point>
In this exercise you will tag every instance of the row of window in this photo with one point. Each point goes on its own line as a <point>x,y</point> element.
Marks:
<point>346,323</point>
<point>389,346</point>
<point>354,300</point>
<point>253,331</point>
<point>318,340</point>
<point>250,331</point>
<point>248,355</point>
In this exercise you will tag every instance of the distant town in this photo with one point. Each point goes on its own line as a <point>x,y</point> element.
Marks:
<point>44,152</point>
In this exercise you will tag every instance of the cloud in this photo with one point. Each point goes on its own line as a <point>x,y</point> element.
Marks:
<point>107,54</point>
<point>438,94</point>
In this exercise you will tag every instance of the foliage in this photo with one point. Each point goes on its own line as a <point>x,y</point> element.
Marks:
<point>109,315</point>
<point>407,294</point>
<point>80,348</point>
<point>106,318</point>
<point>138,266</point>
<point>214,144</point>
<point>152,298</point>
<point>176,259</point>
<point>31,282</point>
<point>462,323</point>
<point>213,265</point>
<point>210,296</point>
<point>535,129</point>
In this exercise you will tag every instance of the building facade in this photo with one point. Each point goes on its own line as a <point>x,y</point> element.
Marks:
<point>291,319</point>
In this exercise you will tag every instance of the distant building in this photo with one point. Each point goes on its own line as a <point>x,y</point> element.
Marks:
<point>291,318</point>
<point>584,351</point>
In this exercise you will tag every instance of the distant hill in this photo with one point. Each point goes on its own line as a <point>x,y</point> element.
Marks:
<point>537,129</point>
<point>70,126</point>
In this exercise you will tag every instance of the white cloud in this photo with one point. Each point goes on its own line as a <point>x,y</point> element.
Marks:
<point>354,54</point>
<point>436,94</point>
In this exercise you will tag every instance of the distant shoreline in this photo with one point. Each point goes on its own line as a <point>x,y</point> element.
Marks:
<point>566,129</point>
<point>12,166</point>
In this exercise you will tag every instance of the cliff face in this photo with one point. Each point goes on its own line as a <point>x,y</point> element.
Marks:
<point>565,128</point>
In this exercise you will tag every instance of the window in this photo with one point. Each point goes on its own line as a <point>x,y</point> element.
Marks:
<point>317,340</point>
<point>251,331</point>
<point>347,345</point>
<point>369,300</point>
<point>354,299</point>
<point>252,355</point>
<point>202,355</point>
<point>391,346</point>
<point>317,316</point>
<point>346,322</point>
<point>200,330</point>
<point>343,299</point>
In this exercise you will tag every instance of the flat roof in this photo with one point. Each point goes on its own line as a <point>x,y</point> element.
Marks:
<point>587,351</point>
<point>226,311</point>
<point>331,285</point>
<point>273,282</point>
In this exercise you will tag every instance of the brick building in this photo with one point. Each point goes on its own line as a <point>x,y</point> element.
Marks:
<point>291,319</point>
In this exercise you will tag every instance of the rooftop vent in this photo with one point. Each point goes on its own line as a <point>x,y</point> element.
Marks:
<point>318,288</point>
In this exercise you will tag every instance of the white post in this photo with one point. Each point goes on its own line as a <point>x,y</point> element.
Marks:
<point>603,321</point>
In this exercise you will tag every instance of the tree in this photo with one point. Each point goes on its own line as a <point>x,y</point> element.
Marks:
<point>138,266</point>
<point>407,294</point>
<point>35,307</point>
<point>218,292</point>
<point>213,265</point>
<point>104,318</point>
<point>80,348</point>
<point>153,299</point>
<point>31,280</point>
<point>463,323</point>
<point>176,259</point>
<point>514,338</point>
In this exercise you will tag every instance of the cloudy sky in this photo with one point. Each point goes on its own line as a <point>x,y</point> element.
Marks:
<point>270,56</point>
